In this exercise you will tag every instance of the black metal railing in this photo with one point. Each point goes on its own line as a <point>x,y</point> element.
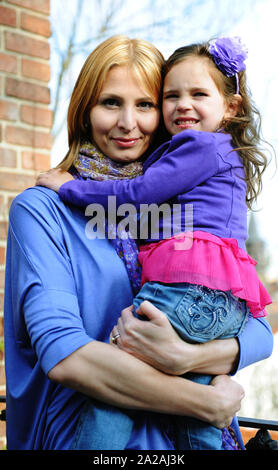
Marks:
<point>258,423</point>
<point>262,440</point>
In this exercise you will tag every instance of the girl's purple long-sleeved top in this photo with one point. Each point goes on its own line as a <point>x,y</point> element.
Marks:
<point>197,168</point>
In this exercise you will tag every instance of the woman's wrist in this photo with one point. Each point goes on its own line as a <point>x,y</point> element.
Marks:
<point>184,357</point>
<point>215,404</point>
<point>215,357</point>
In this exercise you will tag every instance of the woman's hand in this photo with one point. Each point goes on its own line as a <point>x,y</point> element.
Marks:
<point>157,343</point>
<point>229,395</point>
<point>154,341</point>
<point>53,179</point>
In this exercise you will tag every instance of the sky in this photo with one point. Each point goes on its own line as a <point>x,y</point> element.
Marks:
<point>258,31</point>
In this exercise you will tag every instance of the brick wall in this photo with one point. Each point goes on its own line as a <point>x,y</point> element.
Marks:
<point>25,117</point>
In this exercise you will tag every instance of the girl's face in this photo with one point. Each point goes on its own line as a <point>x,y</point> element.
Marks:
<point>191,99</point>
<point>125,116</point>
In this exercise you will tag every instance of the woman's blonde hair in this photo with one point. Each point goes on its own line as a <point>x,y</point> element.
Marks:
<point>144,60</point>
<point>245,127</point>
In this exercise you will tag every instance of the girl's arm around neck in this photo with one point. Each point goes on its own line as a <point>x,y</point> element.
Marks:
<point>188,162</point>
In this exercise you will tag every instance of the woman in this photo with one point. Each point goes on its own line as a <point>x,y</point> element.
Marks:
<point>65,292</point>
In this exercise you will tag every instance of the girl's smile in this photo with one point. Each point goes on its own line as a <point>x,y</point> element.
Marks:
<point>185,123</point>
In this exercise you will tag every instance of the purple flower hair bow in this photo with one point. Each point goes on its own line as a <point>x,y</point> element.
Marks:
<point>229,55</point>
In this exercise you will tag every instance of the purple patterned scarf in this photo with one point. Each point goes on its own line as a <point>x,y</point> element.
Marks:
<point>229,440</point>
<point>92,164</point>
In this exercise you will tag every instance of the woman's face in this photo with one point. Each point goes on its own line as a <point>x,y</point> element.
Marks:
<point>125,116</point>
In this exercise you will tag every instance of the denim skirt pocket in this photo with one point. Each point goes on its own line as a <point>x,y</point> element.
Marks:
<point>207,314</point>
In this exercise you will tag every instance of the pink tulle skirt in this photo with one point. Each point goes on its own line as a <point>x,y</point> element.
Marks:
<point>204,259</point>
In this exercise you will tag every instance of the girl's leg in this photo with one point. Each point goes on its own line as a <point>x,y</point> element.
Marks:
<point>102,427</point>
<point>198,314</point>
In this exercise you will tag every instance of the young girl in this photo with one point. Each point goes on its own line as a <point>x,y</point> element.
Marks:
<point>203,280</point>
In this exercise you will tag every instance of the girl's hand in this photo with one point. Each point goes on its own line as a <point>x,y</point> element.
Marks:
<point>53,179</point>
<point>154,341</point>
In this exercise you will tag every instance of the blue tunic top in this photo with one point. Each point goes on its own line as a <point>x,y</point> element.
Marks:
<point>63,290</point>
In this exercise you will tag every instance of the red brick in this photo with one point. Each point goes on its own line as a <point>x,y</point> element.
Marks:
<point>3,211</point>
<point>34,24</point>
<point>3,230</point>
<point>28,137</point>
<point>10,200</point>
<point>35,161</point>
<point>8,63</point>
<point>2,277</point>
<point>36,70</point>
<point>1,318</point>
<point>2,254</point>
<point>19,136</point>
<point>27,91</point>
<point>42,6</point>
<point>8,110</point>
<point>3,430</point>
<point>2,376</point>
<point>36,116</point>
<point>15,182</point>
<point>7,157</point>
<point>7,16</point>
<point>26,45</point>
